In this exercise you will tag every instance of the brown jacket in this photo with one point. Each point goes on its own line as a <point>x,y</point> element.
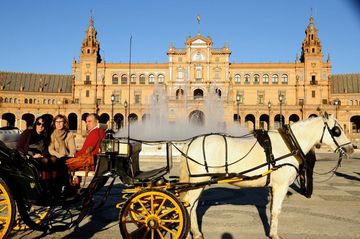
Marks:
<point>67,148</point>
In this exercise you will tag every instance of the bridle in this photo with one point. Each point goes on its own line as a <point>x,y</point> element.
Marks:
<point>335,131</point>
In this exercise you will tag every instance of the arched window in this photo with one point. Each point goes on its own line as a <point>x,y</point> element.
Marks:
<point>284,79</point>
<point>10,100</point>
<point>256,79</point>
<point>266,79</point>
<point>44,101</point>
<point>151,79</point>
<point>179,93</point>
<point>198,94</point>
<point>275,79</point>
<point>142,79</point>
<point>237,79</point>
<point>247,79</point>
<point>133,79</point>
<point>124,79</point>
<point>161,79</point>
<point>25,101</point>
<point>115,79</point>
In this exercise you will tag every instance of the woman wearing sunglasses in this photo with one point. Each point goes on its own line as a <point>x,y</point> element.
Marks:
<point>33,143</point>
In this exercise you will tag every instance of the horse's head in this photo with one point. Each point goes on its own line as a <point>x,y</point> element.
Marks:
<point>334,136</point>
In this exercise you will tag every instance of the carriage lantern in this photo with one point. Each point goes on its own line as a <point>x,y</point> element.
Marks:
<point>109,146</point>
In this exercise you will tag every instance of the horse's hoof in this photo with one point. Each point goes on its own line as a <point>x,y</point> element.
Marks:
<point>275,237</point>
<point>199,237</point>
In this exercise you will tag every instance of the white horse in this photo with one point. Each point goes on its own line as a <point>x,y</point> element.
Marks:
<point>206,159</point>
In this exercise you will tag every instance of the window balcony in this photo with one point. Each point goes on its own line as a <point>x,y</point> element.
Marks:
<point>313,82</point>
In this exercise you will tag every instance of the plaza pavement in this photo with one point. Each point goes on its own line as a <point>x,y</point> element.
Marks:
<point>333,211</point>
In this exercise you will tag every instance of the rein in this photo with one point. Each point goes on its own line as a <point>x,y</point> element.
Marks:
<point>338,147</point>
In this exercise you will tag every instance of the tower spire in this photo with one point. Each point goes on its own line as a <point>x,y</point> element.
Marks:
<point>90,44</point>
<point>311,45</point>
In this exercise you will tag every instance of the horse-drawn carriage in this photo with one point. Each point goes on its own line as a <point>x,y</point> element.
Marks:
<point>151,206</point>
<point>21,190</point>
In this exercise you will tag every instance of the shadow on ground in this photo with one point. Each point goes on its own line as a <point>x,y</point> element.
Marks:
<point>222,196</point>
<point>347,176</point>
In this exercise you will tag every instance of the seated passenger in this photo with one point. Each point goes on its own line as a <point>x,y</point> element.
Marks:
<point>95,135</point>
<point>62,141</point>
<point>62,146</point>
<point>92,142</point>
<point>33,142</point>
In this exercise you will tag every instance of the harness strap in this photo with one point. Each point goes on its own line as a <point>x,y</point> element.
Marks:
<point>204,154</point>
<point>249,170</point>
<point>292,143</point>
<point>265,142</point>
<point>226,155</point>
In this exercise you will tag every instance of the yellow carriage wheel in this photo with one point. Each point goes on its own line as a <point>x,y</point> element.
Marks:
<point>37,214</point>
<point>7,210</point>
<point>153,214</point>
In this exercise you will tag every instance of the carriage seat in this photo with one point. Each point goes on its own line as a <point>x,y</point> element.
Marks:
<point>151,175</point>
<point>9,135</point>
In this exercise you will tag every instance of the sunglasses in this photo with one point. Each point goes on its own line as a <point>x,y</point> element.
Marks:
<point>39,124</point>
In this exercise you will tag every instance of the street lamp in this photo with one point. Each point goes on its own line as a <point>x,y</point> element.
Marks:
<point>337,103</point>
<point>125,106</point>
<point>269,108</point>
<point>112,111</point>
<point>238,106</point>
<point>281,98</point>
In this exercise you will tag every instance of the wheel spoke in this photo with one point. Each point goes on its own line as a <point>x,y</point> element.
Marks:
<point>161,205</point>
<point>3,208</point>
<point>151,203</point>
<point>167,212</point>
<point>153,214</point>
<point>160,234</point>
<point>171,221</point>
<point>168,230</point>
<point>145,209</point>
<point>137,212</point>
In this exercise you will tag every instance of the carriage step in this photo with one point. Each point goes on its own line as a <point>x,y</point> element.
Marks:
<point>83,173</point>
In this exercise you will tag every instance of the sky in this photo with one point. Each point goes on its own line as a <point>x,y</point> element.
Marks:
<point>43,36</point>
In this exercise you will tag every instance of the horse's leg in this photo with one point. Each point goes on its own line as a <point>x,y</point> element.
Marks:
<point>278,195</point>
<point>193,198</point>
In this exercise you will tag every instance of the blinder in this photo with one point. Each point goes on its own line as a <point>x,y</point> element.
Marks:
<point>336,131</point>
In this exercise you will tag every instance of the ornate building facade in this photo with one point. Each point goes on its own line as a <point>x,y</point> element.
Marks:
<point>256,95</point>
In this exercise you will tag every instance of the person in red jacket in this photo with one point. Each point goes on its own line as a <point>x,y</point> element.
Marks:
<point>95,135</point>
<point>92,142</point>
